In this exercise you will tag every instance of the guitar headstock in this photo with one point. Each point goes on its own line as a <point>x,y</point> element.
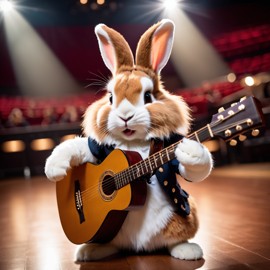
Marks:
<point>239,118</point>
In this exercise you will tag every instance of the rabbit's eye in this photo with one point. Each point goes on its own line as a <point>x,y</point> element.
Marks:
<point>147,97</point>
<point>111,98</point>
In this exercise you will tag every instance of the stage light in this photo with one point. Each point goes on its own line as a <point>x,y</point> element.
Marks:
<point>6,6</point>
<point>170,5</point>
<point>100,2</point>
<point>249,81</point>
<point>83,2</point>
<point>42,144</point>
<point>231,77</point>
<point>68,137</point>
<point>13,146</point>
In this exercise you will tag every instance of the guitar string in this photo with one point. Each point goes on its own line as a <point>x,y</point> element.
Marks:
<point>132,170</point>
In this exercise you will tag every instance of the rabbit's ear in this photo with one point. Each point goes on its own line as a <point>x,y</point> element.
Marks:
<point>114,49</point>
<point>155,45</point>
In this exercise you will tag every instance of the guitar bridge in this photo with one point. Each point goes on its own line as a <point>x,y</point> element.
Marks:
<point>78,201</point>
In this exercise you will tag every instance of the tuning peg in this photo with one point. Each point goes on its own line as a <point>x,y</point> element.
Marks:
<point>255,132</point>
<point>243,98</point>
<point>221,109</point>
<point>242,137</point>
<point>233,143</point>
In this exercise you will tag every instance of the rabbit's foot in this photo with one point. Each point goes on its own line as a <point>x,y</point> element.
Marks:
<point>94,252</point>
<point>186,251</point>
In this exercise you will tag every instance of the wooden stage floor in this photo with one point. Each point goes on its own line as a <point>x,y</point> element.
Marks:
<point>234,230</point>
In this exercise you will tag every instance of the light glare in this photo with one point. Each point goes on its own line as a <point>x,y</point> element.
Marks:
<point>83,2</point>
<point>6,6</point>
<point>249,81</point>
<point>170,5</point>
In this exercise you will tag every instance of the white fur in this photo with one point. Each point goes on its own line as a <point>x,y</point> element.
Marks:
<point>107,59</point>
<point>140,121</point>
<point>186,251</point>
<point>69,153</point>
<point>93,252</point>
<point>147,84</point>
<point>195,160</point>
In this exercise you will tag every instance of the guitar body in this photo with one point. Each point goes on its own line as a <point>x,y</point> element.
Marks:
<point>90,207</point>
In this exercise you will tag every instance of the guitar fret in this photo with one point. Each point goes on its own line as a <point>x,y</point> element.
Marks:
<point>125,177</point>
<point>196,136</point>
<point>116,181</point>
<point>117,177</point>
<point>121,179</point>
<point>160,156</point>
<point>145,166</point>
<point>132,174</point>
<point>167,154</point>
<point>142,172</point>
<point>153,164</point>
<point>138,171</point>
<point>155,160</point>
<point>150,165</point>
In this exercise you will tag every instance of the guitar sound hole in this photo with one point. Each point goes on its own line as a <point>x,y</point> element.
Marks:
<point>108,185</point>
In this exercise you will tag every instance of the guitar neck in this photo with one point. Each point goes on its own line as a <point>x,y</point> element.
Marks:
<point>150,164</point>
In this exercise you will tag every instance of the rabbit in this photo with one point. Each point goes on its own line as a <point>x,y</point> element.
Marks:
<point>135,109</point>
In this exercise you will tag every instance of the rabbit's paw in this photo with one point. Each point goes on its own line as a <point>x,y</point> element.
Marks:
<point>195,160</point>
<point>94,252</point>
<point>190,152</point>
<point>186,251</point>
<point>56,168</point>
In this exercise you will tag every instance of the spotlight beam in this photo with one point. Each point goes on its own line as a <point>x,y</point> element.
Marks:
<point>193,56</point>
<point>38,71</point>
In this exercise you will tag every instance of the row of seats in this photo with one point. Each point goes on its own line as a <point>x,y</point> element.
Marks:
<point>209,95</point>
<point>23,111</point>
<point>251,65</point>
<point>243,41</point>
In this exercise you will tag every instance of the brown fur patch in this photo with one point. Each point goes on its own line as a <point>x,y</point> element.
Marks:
<point>182,228</point>
<point>129,86</point>
<point>143,51</point>
<point>168,115</point>
<point>122,50</point>
<point>90,125</point>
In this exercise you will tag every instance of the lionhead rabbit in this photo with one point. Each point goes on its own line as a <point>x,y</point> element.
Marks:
<point>135,110</point>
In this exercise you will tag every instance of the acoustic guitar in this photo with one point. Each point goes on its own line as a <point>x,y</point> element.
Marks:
<point>93,200</point>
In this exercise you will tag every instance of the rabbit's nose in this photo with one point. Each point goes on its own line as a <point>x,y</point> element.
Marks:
<point>127,119</point>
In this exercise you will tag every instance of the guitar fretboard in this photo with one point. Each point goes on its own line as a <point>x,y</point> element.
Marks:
<point>150,164</point>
